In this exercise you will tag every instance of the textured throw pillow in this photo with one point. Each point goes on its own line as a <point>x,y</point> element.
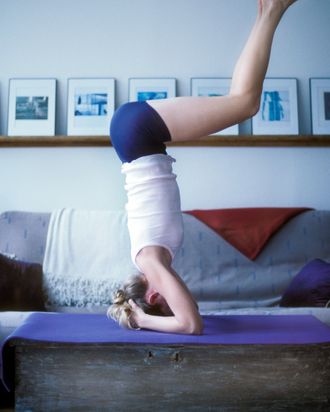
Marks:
<point>20,285</point>
<point>310,287</point>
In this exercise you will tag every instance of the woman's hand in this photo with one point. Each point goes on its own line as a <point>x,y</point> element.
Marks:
<point>136,316</point>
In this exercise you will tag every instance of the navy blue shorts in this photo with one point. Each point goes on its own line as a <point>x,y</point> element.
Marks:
<point>137,130</point>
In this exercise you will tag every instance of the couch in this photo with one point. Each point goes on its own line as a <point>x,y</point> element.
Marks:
<point>222,278</point>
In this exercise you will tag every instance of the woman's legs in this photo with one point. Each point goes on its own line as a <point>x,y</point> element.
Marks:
<point>189,118</point>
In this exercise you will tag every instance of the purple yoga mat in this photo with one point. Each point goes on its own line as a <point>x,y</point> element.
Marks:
<point>225,330</point>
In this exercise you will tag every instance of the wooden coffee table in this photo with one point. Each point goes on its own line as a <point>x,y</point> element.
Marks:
<point>141,376</point>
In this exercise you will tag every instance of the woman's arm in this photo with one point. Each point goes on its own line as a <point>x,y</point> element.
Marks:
<point>162,278</point>
<point>167,324</point>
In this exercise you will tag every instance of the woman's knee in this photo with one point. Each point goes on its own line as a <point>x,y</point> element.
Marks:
<point>254,106</point>
<point>249,104</point>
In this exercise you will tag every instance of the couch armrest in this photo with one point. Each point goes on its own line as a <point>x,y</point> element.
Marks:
<point>24,234</point>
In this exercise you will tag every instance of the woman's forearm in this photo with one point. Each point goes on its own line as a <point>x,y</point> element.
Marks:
<point>170,324</point>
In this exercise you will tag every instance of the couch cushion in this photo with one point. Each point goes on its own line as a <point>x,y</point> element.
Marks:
<point>20,285</point>
<point>311,286</point>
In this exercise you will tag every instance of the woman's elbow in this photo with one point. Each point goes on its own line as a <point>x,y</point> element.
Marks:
<point>194,328</point>
<point>197,330</point>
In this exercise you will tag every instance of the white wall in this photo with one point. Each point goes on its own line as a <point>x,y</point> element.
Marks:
<point>156,38</point>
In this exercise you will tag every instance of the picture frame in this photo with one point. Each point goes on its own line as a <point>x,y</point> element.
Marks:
<point>31,107</point>
<point>278,113</point>
<point>142,89</point>
<point>91,105</point>
<point>213,86</point>
<point>320,105</point>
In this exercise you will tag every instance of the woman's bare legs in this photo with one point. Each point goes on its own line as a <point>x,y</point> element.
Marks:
<point>190,118</point>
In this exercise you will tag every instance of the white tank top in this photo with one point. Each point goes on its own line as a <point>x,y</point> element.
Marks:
<point>153,208</point>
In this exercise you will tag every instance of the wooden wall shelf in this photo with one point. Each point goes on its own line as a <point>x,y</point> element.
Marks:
<point>209,141</point>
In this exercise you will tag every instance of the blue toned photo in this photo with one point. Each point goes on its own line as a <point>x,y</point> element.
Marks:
<point>327,105</point>
<point>91,104</point>
<point>275,106</point>
<point>201,94</point>
<point>31,108</point>
<point>143,96</point>
<point>142,89</point>
<point>206,91</point>
<point>278,114</point>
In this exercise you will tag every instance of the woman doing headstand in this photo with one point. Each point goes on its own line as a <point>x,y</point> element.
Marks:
<point>158,299</point>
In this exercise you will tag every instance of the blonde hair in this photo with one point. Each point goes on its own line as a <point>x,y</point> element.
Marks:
<point>120,310</point>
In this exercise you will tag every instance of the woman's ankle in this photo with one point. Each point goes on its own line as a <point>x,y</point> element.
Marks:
<point>274,8</point>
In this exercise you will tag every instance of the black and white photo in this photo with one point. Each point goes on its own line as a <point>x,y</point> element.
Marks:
<point>31,107</point>
<point>320,105</point>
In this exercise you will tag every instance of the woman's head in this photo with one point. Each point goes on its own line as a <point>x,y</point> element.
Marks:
<point>136,288</point>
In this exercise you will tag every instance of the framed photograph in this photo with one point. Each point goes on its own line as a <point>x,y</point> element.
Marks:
<point>31,107</point>
<point>278,114</point>
<point>320,105</point>
<point>91,104</point>
<point>213,87</point>
<point>142,89</point>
